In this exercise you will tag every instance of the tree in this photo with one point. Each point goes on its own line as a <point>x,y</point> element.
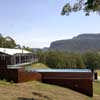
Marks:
<point>1,40</point>
<point>7,42</point>
<point>74,61</point>
<point>55,59</point>
<point>92,60</point>
<point>27,48</point>
<point>18,46</point>
<point>41,56</point>
<point>87,6</point>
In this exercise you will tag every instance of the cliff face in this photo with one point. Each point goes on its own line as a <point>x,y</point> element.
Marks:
<point>81,43</point>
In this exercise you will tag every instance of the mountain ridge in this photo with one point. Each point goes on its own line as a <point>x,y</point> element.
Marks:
<point>80,43</point>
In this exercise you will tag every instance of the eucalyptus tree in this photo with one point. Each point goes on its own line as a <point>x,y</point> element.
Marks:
<point>92,60</point>
<point>86,6</point>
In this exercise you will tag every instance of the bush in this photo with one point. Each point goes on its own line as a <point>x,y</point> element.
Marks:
<point>92,60</point>
<point>61,60</point>
<point>54,59</point>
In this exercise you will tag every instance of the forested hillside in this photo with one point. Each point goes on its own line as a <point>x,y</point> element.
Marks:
<point>81,43</point>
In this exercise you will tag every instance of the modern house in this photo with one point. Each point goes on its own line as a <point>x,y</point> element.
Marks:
<point>11,68</point>
<point>11,57</point>
<point>13,62</point>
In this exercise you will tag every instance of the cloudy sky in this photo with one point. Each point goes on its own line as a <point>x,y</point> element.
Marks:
<point>36,23</point>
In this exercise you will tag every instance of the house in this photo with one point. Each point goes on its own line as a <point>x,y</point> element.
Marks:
<point>11,57</point>
<point>12,60</point>
<point>12,65</point>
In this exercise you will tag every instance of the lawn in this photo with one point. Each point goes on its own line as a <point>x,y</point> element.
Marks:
<point>34,90</point>
<point>39,66</point>
<point>96,90</point>
<point>98,71</point>
<point>97,87</point>
<point>37,91</point>
<point>36,66</point>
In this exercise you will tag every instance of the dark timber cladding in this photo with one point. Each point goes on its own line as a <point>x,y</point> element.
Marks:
<point>80,81</point>
<point>19,75</point>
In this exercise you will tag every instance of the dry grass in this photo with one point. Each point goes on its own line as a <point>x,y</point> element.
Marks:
<point>98,71</point>
<point>39,66</point>
<point>37,91</point>
<point>96,90</point>
<point>36,66</point>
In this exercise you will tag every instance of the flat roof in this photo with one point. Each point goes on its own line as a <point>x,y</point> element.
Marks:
<point>12,51</point>
<point>60,70</point>
<point>18,65</point>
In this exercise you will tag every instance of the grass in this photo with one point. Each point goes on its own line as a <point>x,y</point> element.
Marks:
<point>96,90</point>
<point>36,66</point>
<point>34,90</point>
<point>37,91</point>
<point>39,66</point>
<point>98,71</point>
<point>97,87</point>
<point>4,83</point>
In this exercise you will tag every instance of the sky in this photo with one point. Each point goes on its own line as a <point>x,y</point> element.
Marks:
<point>36,23</point>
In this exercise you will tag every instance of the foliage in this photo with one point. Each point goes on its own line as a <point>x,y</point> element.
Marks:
<point>76,61</point>
<point>92,60</point>
<point>78,5</point>
<point>61,60</point>
<point>41,56</point>
<point>98,71</point>
<point>55,59</point>
<point>7,42</point>
<point>28,49</point>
